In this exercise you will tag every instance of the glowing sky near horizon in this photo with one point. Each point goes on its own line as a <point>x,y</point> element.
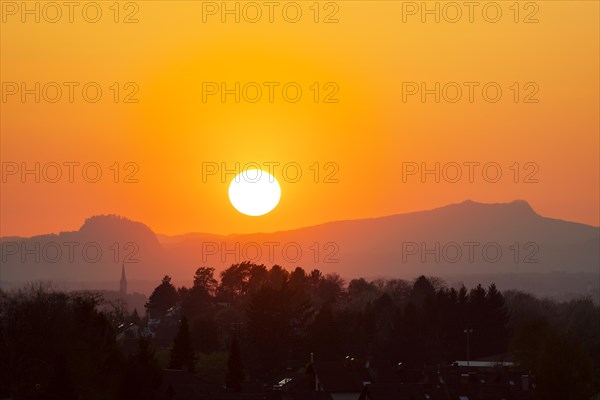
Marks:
<point>347,149</point>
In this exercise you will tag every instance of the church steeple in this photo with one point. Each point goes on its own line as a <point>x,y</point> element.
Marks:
<point>123,286</point>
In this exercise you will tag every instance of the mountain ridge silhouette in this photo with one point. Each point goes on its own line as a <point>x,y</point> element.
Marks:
<point>378,246</point>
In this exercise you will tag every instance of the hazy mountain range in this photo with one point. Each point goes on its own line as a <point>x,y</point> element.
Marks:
<point>457,241</point>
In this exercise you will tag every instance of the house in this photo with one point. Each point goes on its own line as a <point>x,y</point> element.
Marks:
<point>458,387</point>
<point>499,360</point>
<point>499,383</point>
<point>353,380</point>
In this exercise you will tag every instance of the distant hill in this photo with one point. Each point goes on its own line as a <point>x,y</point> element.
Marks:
<point>458,239</point>
<point>93,253</point>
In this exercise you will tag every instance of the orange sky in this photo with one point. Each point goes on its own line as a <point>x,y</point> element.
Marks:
<point>369,55</point>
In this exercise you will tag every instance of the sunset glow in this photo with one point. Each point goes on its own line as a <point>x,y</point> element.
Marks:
<point>316,199</point>
<point>363,109</point>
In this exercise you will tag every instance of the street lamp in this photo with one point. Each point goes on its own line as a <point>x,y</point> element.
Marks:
<point>468,332</point>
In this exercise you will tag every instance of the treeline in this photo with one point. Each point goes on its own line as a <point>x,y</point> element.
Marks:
<point>281,317</point>
<point>252,322</point>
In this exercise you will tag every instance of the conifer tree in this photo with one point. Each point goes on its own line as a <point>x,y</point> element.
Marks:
<point>235,368</point>
<point>182,353</point>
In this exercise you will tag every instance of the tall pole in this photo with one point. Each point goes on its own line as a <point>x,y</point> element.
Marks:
<point>468,332</point>
<point>468,348</point>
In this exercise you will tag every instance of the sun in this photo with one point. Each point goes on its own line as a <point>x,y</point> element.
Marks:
<point>254,192</point>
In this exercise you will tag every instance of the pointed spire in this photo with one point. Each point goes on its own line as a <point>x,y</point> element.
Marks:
<point>123,285</point>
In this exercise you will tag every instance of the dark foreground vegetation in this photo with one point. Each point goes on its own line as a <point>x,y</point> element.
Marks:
<point>255,325</point>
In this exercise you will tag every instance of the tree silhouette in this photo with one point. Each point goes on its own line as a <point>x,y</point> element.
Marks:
<point>314,278</point>
<point>198,301</point>
<point>61,385</point>
<point>277,276</point>
<point>204,280</point>
<point>182,353</point>
<point>235,280</point>
<point>298,280</point>
<point>324,338</point>
<point>329,288</point>
<point>56,345</point>
<point>142,375</point>
<point>422,289</point>
<point>235,368</point>
<point>275,321</point>
<point>408,333</point>
<point>62,345</point>
<point>162,298</point>
<point>562,369</point>
<point>205,335</point>
<point>495,329</point>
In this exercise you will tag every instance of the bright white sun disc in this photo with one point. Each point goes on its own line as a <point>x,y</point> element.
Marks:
<point>254,192</point>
